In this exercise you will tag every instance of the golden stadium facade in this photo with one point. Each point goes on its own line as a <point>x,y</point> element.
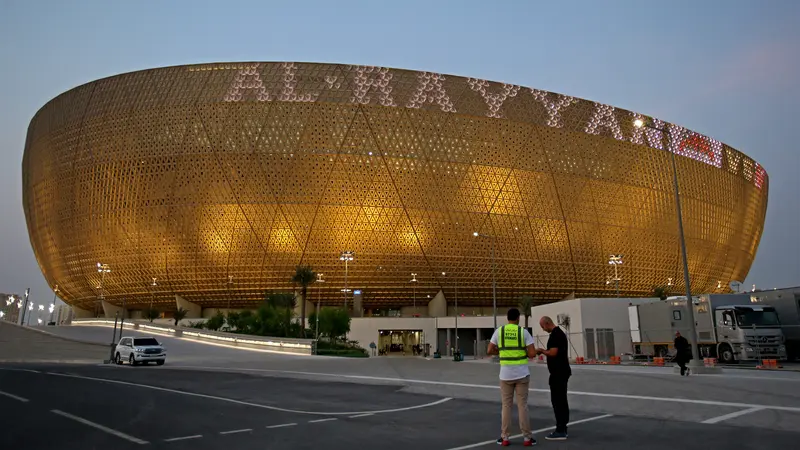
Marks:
<point>218,179</point>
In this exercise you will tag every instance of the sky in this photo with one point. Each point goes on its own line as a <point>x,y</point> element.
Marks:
<point>725,68</point>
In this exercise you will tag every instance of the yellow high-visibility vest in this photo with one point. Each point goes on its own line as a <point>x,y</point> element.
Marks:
<point>512,345</point>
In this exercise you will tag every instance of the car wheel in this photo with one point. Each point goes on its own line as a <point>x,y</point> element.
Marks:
<point>132,361</point>
<point>160,363</point>
<point>118,359</point>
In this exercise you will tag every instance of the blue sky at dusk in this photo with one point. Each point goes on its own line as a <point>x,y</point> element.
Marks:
<point>726,68</point>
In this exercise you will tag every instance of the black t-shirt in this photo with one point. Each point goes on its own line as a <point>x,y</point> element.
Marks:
<point>559,364</point>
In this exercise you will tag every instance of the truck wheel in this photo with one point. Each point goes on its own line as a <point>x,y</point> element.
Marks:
<point>726,354</point>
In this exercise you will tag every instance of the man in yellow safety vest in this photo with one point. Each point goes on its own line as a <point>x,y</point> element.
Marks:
<point>515,346</point>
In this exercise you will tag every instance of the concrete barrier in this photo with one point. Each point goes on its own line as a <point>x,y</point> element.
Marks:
<point>57,336</point>
<point>267,343</point>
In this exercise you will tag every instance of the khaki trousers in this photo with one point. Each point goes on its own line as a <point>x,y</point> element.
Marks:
<point>507,391</point>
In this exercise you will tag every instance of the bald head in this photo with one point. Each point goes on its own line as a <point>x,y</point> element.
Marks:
<point>547,324</point>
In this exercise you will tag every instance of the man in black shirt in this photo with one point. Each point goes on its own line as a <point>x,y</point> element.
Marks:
<point>558,365</point>
<point>683,353</point>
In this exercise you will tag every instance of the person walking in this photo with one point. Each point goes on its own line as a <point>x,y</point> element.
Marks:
<point>682,353</point>
<point>515,346</point>
<point>558,366</point>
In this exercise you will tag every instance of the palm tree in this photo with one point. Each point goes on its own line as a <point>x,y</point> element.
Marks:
<point>179,315</point>
<point>304,276</point>
<point>525,304</point>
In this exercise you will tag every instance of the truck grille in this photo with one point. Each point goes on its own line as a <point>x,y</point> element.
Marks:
<point>763,340</point>
<point>152,351</point>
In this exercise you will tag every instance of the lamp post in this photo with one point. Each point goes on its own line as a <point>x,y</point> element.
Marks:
<point>103,269</point>
<point>639,123</point>
<point>615,260</point>
<point>414,280</point>
<point>153,292</point>
<point>455,281</point>
<point>24,305</point>
<point>53,306</point>
<point>319,299</point>
<point>346,256</point>
<point>494,280</point>
<point>230,284</point>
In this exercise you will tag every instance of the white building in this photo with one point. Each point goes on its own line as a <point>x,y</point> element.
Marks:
<point>597,327</point>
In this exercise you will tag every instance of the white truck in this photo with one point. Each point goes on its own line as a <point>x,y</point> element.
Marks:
<point>730,328</point>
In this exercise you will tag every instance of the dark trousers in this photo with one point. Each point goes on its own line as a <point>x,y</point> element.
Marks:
<point>558,397</point>
<point>681,358</point>
<point>681,361</point>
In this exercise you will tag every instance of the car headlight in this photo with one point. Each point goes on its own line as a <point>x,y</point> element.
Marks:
<point>139,350</point>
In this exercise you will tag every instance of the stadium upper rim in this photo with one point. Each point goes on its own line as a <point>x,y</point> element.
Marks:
<point>607,120</point>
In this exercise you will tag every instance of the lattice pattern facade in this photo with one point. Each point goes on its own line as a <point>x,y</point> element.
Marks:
<point>196,174</point>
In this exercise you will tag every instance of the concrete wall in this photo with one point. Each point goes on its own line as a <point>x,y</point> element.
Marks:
<point>194,310</point>
<point>590,313</point>
<point>612,313</point>
<point>574,333</point>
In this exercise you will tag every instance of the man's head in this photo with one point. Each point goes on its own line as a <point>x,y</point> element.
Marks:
<point>547,324</point>
<point>677,334</point>
<point>513,316</point>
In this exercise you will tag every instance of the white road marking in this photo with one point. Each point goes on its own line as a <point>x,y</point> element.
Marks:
<point>665,373</point>
<point>323,420</point>
<point>495,387</point>
<point>361,415</point>
<point>15,397</point>
<point>183,438</point>
<point>111,431</point>
<point>733,414</point>
<point>14,369</point>
<point>240,402</point>
<point>540,430</point>
<point>282,425</point>
<point>243,430</point>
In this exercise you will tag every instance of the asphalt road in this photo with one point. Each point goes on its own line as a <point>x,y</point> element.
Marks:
<point>88,407</point>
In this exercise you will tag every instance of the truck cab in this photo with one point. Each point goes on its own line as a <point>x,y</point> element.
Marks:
<point>748,332</point>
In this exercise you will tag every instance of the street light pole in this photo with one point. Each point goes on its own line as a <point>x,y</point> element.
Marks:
<point>455,282</point>
<point>103,269</point>
<point>319,299</point>
<point>494,279</point>
<point>153,292</point>
<point>53,306</point>
<point>639,123</point>
<point>414,280</point>
<point>494,285</point>
<point>615,260</point>
<point>230,283</point>
<point>346,256</point>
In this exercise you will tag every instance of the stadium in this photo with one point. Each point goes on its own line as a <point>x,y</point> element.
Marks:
<point>213,182</point>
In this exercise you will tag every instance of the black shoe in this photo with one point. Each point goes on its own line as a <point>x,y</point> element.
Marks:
<point>556,436</point>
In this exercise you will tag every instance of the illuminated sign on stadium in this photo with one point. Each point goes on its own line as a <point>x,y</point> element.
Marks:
<point>366,85</point>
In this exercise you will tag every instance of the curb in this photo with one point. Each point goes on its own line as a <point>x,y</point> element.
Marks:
<point>47,333</point>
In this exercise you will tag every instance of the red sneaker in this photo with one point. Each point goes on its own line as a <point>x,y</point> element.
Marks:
<point>503,442</point>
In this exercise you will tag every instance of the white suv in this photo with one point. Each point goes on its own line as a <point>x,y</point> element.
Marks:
<point>137,350</point>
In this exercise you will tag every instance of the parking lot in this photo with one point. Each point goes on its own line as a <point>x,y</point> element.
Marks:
<point>86,406</point>
<point>55,393</point>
